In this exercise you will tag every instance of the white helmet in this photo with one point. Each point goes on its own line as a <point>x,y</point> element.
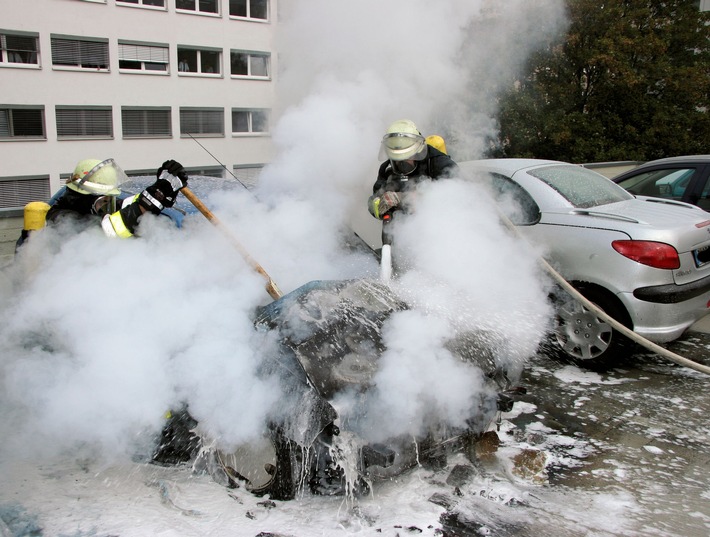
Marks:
<point>98,177</point>
<point>403,141</point>
<point>403,145</point>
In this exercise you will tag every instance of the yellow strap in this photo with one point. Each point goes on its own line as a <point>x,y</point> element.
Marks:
<point>375,206</point>
<point>113,226</point>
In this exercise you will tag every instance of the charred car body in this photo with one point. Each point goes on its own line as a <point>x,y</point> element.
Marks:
<point>329,343</point>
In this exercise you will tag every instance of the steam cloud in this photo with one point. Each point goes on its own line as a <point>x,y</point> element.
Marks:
<point>99,338</point>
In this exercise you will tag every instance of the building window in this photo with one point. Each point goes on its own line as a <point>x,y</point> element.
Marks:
<point>16,192</point>
<point>250,121</point>
<point>200,6</point>
<point>84,122</point>
<point>81,53</point>
<point>16,49</point>
<point>22,122</point>
<point>202,121</point>
<point>249,9</point>
<point>202,61</point>
<point>250,64</point>
<point>143,57</point>
<point>248,175</point>
<point>146,122</point>
<point>152,3</point>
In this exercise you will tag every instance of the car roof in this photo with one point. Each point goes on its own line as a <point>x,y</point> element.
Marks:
<point>684,159</point>
<point>509,166</point>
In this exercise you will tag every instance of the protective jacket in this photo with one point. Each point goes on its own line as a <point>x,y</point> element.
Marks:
<point>80,207</point>
<point>435,165</point>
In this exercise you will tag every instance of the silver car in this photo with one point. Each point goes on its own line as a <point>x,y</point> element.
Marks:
<point>644,261</point>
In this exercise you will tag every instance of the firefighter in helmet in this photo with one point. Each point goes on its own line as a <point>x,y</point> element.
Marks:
<point>92,195</point>
<point>409,160</point>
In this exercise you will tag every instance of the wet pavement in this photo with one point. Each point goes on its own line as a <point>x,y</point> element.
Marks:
<point>627,452</point>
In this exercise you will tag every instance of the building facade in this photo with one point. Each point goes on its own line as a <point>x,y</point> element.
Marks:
<point>140,81</point>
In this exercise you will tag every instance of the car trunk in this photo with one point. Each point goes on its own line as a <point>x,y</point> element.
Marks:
<point>688,232</point>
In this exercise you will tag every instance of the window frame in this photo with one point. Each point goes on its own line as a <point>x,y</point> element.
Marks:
<point>250,179</point>
<point>515,201</point>
<point>139,4</point>
<point>248,16</point>
<point>5,52</point>
<point>146,121</point>
<point>201,109</point>
<point>249,55</point>
<point>123,43</point>
<point>80,40</point>
<point>11,123</point>
<point>198,11</point>
<point>41,190</point>
<point>85,112</point>
<point>181,49</point>
<point>250,121</point>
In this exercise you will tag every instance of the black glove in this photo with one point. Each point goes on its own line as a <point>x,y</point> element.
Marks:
<point>161,194</point>
<point>173,167</point>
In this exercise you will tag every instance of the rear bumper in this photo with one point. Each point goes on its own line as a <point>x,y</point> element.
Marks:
<point>664,321</point>
<point>673,294</point>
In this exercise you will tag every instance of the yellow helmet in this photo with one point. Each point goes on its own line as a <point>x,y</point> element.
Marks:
<point>99,177</point>
<point>437,142</point>
<point>403,141</point>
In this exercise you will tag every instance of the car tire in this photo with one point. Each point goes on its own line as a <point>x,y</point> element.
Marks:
<point>265,467</point>
<point>586,340</point>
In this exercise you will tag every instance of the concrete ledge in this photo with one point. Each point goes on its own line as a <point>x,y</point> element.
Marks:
<point>10,229</point>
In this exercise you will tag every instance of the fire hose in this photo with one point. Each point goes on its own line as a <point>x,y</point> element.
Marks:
<point>619,327</point>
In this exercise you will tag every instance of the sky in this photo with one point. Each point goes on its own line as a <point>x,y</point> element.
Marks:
<point>100,337</point>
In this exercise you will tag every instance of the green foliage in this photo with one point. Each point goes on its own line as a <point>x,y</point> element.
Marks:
<point>629,81</point>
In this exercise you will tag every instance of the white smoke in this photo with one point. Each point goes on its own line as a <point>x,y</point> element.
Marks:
<point>106,336</point>
<point>99,337</point>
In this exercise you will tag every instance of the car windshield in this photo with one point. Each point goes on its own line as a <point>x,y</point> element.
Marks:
<point>583,188</point>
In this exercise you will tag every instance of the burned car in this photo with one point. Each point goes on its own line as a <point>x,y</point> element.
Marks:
<point>329,343</point>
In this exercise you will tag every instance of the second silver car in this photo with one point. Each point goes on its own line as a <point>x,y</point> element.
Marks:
<point>644,261</point>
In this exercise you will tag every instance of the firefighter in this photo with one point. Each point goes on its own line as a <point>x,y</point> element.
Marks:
<point>92,195</point>
<point>409,160</point>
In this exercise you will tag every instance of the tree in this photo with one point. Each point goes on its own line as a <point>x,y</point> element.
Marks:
<point>630,80</point>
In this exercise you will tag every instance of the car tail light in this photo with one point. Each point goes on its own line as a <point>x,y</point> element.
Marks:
<point>654,254</point>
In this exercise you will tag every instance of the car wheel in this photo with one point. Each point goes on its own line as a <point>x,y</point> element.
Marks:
<point>584,338</point>
<point>265,466</point>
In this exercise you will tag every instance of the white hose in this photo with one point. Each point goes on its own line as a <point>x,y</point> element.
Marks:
<point>680,360</point>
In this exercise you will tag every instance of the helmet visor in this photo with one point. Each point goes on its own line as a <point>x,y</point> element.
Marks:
<point>103,179</point>
<point>403,146</point>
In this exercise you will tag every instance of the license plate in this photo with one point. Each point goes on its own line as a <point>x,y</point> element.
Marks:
<point>701,256</point>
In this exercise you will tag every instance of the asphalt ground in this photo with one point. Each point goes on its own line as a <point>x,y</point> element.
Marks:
<point>627,452</point>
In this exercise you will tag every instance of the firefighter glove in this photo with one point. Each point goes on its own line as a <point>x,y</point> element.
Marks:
<point>161,194</point>
<point>379,206</point>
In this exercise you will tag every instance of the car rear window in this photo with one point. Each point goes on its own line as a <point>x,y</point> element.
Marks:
<point>583,188</point>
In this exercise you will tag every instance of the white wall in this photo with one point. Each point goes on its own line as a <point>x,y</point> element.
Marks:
<point>50,87</point>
